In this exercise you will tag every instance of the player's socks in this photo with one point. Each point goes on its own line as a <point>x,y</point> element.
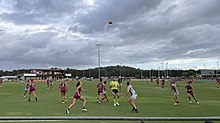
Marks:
<point>195,99</point>
<point>117,100</point>
<point>135,110</point>
<point>114,101</point>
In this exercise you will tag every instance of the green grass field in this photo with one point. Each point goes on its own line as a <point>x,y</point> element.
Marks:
<point>151,101</point>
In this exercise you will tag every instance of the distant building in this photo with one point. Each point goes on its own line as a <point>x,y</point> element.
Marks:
<point>209,73</point>
<point>43,74</point>
<point>8,78</point>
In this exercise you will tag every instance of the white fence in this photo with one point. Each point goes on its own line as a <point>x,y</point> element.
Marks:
<point>141,119</point>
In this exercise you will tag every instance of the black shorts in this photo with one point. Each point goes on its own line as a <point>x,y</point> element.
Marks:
<point>190,92</point>
<point>115,91</point>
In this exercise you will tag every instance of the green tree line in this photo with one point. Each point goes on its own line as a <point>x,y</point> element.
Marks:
<point>124,71</point>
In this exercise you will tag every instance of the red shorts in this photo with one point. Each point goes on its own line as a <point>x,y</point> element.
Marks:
<point>63,90</point>
<point>32,89</point>
<point>76,95</point>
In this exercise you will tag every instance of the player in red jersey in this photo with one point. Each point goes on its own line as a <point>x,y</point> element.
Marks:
<point>162,83</point>
<point>104,92</point>
<point>157,82</point>
<point>1,81</point>
<point>217,82</point>
<point>48,83</point>
<point>63,90</point>
<point>120,84</point>
<point>100,90</point>
<point>32,88</point>
<point>77,96</point>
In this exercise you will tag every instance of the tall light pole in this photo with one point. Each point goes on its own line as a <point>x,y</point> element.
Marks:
<point>76,71</point>
<point>89,73</point>
<point>158,72</point>
<point>141,74</point>
<point>83,73</point>
<point>217,69</point>
<point>167,70</point>
<point>162,69</point>
<point>120,69</point>
<point>99,59</point>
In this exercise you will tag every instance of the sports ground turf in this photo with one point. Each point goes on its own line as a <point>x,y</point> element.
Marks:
<point>151,101</point>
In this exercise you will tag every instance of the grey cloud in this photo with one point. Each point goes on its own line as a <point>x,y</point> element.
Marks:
<point>144,31</point>
<point>117,10</point>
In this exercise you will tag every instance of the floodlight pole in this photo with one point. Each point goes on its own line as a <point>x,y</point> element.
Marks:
<point>83,72</point>
<point>217,69</point>
<point>76,70</point>
<point>167,69</point>
<point>120,69</point>
<point>99,58</point>
<point>158,74</point>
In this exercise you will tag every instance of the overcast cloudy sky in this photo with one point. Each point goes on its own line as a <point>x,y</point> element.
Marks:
<point>145,34</point>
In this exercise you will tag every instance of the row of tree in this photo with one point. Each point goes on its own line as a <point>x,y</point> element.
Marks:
<point>126,71</point>
<point>109,71</point>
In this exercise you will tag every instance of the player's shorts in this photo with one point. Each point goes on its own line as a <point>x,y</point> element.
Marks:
<point>133,97</point>
<point>114,91</point>
<point>103,92</point>
<point>63,91</point>
<point>32,89</point>
<point>77,96</point>
<point>190,92</point>
<point>99,92</point>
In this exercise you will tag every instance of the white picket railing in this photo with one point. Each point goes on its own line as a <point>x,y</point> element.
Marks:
<point>141,119</point>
